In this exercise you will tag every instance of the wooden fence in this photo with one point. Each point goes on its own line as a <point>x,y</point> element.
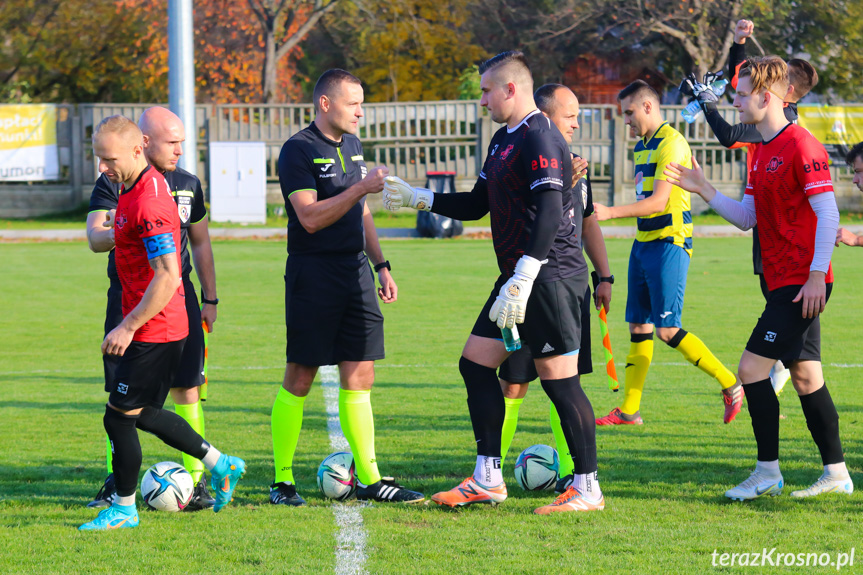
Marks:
<point>411,138</point>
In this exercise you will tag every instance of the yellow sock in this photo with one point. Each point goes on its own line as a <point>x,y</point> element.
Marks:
<point>358,425</point>
<point>510,421</point>
<point>637,364</point>
<point>193,414</point>
<point>696,353</point>
<point>286,422</point>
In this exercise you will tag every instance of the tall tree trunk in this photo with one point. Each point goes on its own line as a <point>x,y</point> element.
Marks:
<point>268,81</point>
<point>269,13</point>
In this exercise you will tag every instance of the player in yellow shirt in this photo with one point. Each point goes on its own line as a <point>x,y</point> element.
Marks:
<point>660,256</point>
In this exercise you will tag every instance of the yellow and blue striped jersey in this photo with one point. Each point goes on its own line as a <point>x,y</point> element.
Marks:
<point>674,223</point>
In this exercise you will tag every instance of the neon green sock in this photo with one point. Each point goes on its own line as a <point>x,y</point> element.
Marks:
<point>286,422</point>
<point>358,425</point>
<point>566,464</point>
<point>510,421</point>
<point>200,405</point>
<point>192,413</point>
<point>109,457</point>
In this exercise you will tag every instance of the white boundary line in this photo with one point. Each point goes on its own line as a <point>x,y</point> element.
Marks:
<point>351,538</point>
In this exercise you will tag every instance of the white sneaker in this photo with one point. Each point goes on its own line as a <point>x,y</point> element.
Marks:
<point>757,485</point>
<point>778,379</point>
<point>827,484</point>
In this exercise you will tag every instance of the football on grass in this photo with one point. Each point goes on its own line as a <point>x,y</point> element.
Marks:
<point>536,468</point>
<point>167,486</point>
<point>336,476</point>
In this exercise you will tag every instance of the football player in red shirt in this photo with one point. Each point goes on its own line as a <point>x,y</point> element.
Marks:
<point>790,196</point>
<point>151,336</point>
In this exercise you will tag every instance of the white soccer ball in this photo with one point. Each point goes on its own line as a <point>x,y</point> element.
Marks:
<point>167,486</point>
<point>536,468</point>
<point>337,477</point>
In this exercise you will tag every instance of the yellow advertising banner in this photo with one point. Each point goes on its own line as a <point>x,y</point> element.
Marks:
<point>28,142</point>
<point>837,127</point>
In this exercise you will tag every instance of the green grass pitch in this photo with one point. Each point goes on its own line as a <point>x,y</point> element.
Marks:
<point>664,482</point>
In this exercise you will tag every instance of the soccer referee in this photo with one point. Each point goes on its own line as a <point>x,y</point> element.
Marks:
<point>331,312</point>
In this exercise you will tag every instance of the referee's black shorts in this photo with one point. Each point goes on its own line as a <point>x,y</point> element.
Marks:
<point>782,331</point>
<point>145,374</point>
<point>331,310</point>
<point>190,372</point>
<point>552,321</point>
<point>519,367</point>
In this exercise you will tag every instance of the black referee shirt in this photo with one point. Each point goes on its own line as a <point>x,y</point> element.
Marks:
<point>187,192</point>
<point>311,161</point>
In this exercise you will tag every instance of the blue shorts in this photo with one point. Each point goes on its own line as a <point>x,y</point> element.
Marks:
<point>657,282</point>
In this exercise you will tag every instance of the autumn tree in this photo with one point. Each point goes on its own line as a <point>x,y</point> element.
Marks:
<point>77,51</point>
<point>829,33</point>
<point>404,50</point>
<point>702,29</point>
<point>282,25</point>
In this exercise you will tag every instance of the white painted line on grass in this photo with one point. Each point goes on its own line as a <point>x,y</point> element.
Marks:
<point>351,538</point>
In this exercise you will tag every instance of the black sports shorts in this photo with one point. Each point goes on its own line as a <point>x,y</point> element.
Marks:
<point>552,320</point>
<point>113,317</point>
<point>145,374</point>
<point>811,350</point>
<point>331,310</point>
<point>190,373</point>
<point>783,332</point>
<point>519,367</point>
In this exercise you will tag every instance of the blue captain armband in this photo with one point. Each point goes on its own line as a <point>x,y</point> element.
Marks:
<point>159,245</point>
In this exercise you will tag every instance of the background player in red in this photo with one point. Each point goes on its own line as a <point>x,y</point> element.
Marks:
<point>151,336</point>
<point>802,77</point>
<point>163,137</point>
<point>790,196</point>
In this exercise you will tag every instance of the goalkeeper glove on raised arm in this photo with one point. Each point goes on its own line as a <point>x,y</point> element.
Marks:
<point>509,307</point>
<point>398,193</point>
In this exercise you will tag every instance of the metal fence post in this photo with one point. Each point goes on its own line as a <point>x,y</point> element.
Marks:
<point>76,157</point>
<point>618,169</point>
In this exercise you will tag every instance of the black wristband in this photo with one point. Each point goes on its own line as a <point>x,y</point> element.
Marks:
<point>210,301</point>
<point>382,265</point>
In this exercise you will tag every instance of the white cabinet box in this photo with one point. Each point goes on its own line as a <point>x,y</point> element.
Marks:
<point>238,182</point>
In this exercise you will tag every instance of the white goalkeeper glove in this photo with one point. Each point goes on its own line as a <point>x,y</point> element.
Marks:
<point>508,309</point>
<point>398,193</point>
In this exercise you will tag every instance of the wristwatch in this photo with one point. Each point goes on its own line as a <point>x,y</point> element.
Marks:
<point>209,301</point>
<point>609,279</point>
<point>382,265</point>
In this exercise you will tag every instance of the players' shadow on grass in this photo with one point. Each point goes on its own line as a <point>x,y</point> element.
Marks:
<point>450,386</point>
<point>412,422</point>
<point>59,406</point>
<point>53,379</point>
